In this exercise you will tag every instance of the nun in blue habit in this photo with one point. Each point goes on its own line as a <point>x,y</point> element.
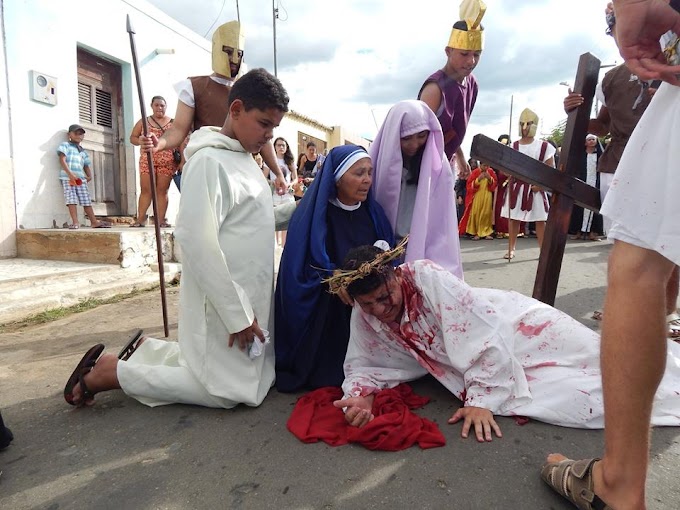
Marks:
<point>337,213</point>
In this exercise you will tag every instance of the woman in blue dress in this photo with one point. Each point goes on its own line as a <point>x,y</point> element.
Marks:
<point>337,213</point>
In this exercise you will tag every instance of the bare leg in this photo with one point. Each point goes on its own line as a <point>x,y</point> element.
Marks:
<point>103,377</point>
<point>90,214</point>
<point>672,291</point>
<point>282,234</point>
<point>162,186</point>
<point>513,228</point>
<point>633,357</point>
<point>72,210</point>
<point>144,198</point>
<point>540,230</point>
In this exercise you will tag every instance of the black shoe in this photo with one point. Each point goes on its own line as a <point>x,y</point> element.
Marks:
<point>6,438</point>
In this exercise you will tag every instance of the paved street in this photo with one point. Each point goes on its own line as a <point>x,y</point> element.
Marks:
<point>120,454</point>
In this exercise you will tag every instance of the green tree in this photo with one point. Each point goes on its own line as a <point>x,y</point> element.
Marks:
<point>557,133</point>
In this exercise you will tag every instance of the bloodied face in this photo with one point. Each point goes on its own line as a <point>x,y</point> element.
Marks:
<point>386,302</point>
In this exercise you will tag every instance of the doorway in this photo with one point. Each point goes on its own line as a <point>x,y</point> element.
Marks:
<point>304,139</point>
<point>100,113</point>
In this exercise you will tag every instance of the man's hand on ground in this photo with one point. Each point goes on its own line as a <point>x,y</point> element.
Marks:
<point>358,411</point>
<point>481,418</point>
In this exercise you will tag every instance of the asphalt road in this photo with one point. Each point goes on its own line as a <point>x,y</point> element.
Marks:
<point>120,454</point>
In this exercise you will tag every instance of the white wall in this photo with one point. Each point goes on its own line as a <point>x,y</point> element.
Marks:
<point>43,35</point>
<point>292,125</point>
<point>7,207</point>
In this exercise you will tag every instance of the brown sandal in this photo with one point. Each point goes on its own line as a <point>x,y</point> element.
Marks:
<point>131,346</point>
<point>573,479</point>
<point>87,363</point>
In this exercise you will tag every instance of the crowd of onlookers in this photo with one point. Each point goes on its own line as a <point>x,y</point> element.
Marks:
<point>480,197</point>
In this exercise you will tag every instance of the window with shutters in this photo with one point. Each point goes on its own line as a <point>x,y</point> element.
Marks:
<point>94,105</point>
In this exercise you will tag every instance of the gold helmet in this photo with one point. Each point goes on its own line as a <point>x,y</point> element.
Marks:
<point>528,119</point>
<point>471,12</point>
<point>228,43</point>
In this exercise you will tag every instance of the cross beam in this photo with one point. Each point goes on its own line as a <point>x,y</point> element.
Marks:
<point>566,188</point>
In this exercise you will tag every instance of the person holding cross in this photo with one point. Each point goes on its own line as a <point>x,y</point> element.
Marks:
<point>634,352</point>
<point>525,202</point>
<point>451,92</point>
<point>499,352</point>
<point>624,99</point>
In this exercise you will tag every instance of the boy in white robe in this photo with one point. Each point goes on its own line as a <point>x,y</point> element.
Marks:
<point>498,351</point>
<point>225,228</point>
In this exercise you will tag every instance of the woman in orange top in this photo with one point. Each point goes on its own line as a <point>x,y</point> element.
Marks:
<point>163,162</point>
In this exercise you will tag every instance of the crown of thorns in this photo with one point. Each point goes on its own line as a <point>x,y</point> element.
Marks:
<point>342,278</point>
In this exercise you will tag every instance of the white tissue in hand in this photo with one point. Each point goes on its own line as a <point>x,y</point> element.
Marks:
<point>257,347</point>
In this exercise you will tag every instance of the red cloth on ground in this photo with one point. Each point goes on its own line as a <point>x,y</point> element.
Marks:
<point>395,427</point>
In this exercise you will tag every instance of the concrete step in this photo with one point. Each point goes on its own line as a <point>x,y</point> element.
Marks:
<point>28,287</point>
<point>121,245</point>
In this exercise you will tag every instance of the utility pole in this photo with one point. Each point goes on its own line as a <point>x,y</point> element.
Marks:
<point>512,99</point>
<point>275,14</point>
<point>238,13</point>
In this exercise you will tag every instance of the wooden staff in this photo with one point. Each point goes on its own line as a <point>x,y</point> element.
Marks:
<point>152,177</point>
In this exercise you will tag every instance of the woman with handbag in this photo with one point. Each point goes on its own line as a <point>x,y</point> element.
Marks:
<point>165,164</point>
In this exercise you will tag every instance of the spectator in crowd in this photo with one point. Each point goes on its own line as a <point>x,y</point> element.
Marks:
<point>165,163</point>
<point>285,160</point>
<point>74,175</point>
<point>587,224</point>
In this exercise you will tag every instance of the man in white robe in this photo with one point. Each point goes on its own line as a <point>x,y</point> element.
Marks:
<point>498,351</point>
<point>225,228</point>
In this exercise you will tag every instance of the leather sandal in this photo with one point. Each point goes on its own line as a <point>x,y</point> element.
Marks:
<point>131,346</point>
<point>84,366</point>
<point>573,480</point>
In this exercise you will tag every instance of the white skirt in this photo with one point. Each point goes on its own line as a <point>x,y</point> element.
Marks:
<point>155,376</point>
<point>644,197</point>
<point>536,213</point>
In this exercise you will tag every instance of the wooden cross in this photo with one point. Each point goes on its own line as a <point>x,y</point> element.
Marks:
<point>566,188</point>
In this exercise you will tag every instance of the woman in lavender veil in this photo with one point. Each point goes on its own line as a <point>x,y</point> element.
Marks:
<point>414,184</point>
